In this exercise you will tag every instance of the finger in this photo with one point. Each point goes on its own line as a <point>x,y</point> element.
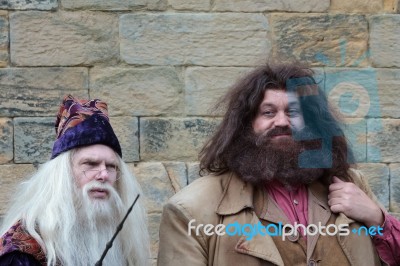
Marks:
<point>336,179</point>
<point>337,194</point>
<point>336,186</point>
<point>335,201</point>
<point>336,208</point>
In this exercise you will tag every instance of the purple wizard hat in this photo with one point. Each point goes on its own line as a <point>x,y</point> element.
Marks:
<point>80,123</point>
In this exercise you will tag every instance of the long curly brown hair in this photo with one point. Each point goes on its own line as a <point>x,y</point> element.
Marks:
<point>243,100</point>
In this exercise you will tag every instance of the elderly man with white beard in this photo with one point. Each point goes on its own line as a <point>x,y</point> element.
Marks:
<point>67,212</point>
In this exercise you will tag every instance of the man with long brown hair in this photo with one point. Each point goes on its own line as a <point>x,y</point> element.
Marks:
<point>280,188</point>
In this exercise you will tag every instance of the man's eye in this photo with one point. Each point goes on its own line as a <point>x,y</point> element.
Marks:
<point>294,112</point>
<point>268,113</point>
<point>111,167</point>
<point>90,163</point>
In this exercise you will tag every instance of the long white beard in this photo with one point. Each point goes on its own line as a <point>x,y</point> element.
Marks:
<point>97,222</point>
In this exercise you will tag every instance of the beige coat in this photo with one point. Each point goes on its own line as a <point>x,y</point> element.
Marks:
<point>227,199</point>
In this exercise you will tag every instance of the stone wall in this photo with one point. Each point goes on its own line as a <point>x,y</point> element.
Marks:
<point>161,64</point>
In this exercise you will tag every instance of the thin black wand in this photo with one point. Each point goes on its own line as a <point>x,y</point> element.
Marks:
<point>119,228</point>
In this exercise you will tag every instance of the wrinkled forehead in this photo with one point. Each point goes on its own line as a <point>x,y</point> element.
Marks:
<point>280,97</point>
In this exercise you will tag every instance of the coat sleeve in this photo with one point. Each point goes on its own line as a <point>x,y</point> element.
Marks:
<point>17,258</point>
<point>178,246</point>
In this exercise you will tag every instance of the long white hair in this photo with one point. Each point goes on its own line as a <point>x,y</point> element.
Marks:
<point>45,204</point>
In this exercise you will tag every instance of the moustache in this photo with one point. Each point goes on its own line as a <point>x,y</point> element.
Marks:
<point>266,136</point>
<point>95,185</point>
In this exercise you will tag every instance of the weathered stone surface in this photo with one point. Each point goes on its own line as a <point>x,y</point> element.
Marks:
<point>127,131</point>
<point>174,138</point>
<point>193,171</point>
<point>389,104</point>
<point>156,184</point>
<point>103,4</point>
<point>353,92</point>
<point>384,141</point>
<point>194,39</point>
<point>138,92</point>
<point>205,85</point>
<point>29,4</point>
<point>378,179</point>
<point>154,225</point>
<point>39,91</point>
<point>177,174</point>
<point>114,4</point>
<point>6,140</point>
<point>395,214</point>
<point>10,176</point>
<point>3,39</point>
<point>321,39</point>
<point>391,6</point>
<point>356,133</point>
<point>395,187</point>
<point>63,38</point>
<point>356,6</point>
<point>385,40</point>
<point>265,5</point>
<point>34,138</point>
<point>200,5</point>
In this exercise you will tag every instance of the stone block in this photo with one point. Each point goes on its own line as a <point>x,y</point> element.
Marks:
<point>353,92</point>
<point>156,185</point>
<point>356,133</point>
<point>395,214</point>
<point>29,4</point>
<point>389,104</point>
<point>114,5</point>
<point>384,141</point>
<point>4,39</point>
<point>194,39</point>
<point>395,187</point>
<point>6,140</point>
<point>356,6</point>
<point>154,226</point>
<point>10,176</point>
<point>33,139</point>
<point>127,131</point>
<point>390,6</point>
<point>193,171</point>
<point>39,91</point>
<point>265,5</point>
<point>321,39</point>
<point>385,40</point>
<point>179,139</point>
<point>138,92</point>
<point>63,38</point>
<point>193,5</point>
<point>177,173</point>
<point>378,179</point>
<point>204,86</point>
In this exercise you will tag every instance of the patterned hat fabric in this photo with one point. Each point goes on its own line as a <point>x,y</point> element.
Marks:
<point>80,123</point>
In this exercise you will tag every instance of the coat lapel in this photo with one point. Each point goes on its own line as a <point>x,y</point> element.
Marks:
<point>318,212</point>
<point>259,246</point>
<point>239,195</point>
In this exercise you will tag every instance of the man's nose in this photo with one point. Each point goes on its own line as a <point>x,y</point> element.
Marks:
<point>282,120</point>
<point>102,176</point>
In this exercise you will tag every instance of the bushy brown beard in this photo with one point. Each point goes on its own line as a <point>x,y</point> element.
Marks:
<point>260,158</point>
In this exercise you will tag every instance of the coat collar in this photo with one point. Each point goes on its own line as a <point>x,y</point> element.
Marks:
<point>237,195</point>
